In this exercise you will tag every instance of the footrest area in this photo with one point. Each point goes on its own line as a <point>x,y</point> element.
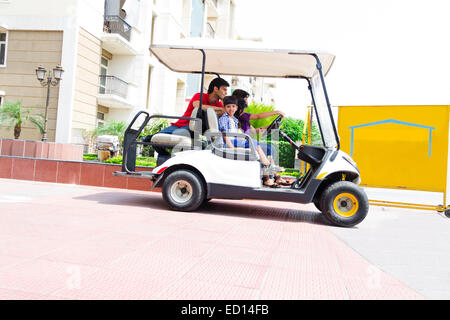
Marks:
<point>136,174</point>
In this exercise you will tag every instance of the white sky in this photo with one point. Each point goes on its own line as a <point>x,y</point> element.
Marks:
<point>393,52</point>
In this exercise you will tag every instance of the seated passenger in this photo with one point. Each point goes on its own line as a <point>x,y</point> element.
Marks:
<point>217,90</point>
<point>244,117</point>
<point>244,123</point>
<point>229,123</point>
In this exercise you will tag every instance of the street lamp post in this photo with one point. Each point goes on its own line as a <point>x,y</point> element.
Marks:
<point>40,74</point>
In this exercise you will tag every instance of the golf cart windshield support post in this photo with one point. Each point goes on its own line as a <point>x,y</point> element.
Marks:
<point>315,108</point>
<point>203,77</point>
<point>322,79</point>
<point>313,102</point>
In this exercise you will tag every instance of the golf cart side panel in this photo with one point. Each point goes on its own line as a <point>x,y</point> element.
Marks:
<point>224,191</point>
<point>215,169</point>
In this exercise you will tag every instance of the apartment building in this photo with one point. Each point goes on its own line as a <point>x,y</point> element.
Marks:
<point>102,45</point>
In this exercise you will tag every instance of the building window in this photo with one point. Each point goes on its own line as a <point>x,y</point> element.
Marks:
<point>103,72</point>
<point>100,119</point>
<point>3,44</point>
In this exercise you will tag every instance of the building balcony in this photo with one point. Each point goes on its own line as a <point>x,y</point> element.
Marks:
<point>209,31</point>
<point>113,93</point>
<point>211,9</point>
<point>117,36</point>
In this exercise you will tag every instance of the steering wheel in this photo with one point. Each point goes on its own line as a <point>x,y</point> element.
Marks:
<point>275,123</point>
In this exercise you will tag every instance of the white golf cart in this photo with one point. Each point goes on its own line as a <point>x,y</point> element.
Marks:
<point>206,169</point>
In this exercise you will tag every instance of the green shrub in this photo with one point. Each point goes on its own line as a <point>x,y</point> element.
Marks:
<point>140,161</point>
<point>90,157</point>
<point>286,153</point>
<point>293,128</point>
<point>291,174</point>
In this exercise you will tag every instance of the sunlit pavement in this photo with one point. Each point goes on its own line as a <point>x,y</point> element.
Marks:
<point>75,242</point>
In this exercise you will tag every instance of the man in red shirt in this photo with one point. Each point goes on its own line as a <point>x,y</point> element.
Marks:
<point>217,90</point>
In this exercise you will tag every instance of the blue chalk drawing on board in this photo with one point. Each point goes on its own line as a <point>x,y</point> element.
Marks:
<point>392,121</point>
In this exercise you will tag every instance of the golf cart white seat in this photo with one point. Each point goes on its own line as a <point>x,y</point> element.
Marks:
<point>172,140</point>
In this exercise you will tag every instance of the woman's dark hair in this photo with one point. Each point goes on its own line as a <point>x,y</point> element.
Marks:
<point>217,82</point>
<point>229,100</point>
<point>240,94</point>
<point>241,107</point>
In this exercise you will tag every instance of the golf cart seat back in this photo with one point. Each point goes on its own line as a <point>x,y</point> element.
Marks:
<point>213,123</point>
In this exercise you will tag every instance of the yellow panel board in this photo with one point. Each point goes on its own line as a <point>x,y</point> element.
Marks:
<point>397,146</point>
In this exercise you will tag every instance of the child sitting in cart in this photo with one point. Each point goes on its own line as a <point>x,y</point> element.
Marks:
<point>229,123</point>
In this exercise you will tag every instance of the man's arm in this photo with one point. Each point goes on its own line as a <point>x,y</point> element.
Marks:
<point>218,110</point>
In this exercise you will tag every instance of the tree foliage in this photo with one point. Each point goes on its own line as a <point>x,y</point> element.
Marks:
<point>12,115</point>
<point>111,127</point>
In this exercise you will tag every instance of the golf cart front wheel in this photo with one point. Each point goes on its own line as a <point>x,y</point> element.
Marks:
<point>344,204</point>
<point>447,213</point>
<point>183,190</point>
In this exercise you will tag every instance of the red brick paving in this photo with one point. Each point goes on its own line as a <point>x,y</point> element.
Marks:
<point>77,242</point>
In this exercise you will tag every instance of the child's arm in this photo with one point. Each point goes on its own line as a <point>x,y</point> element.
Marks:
<point>228,141</point>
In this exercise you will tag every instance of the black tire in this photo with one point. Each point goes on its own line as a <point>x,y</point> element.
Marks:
<point>344,204</point>
<point>447,213</point>
<point>317,204</point>
<point>183,190</point>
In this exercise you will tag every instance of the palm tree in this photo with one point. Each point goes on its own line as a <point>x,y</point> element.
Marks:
<point>113,128</point>
<point>12,115</point>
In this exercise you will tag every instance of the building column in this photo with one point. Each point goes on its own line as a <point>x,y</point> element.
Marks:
<point>67,84</point>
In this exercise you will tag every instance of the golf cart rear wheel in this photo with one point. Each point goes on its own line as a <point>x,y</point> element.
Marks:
<point>183,190</point>
<point>344,204</point>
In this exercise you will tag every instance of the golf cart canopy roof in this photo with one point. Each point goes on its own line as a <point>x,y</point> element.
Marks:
<point>240,58</point>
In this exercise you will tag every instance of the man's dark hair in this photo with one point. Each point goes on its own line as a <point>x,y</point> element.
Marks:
<point>217,82</point>
<point>241,107</point>
<point>230,100</point>
<point>240,94</point>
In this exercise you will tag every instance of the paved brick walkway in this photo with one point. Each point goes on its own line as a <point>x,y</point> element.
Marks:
<point>75,242</point>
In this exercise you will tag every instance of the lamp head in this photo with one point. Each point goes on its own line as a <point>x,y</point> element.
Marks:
<point>40,73</point>
<point>57,72</point>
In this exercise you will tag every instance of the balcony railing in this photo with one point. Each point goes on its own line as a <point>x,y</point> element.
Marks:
<point>115,24</point>
<point>210,33</point>
<point>113,85</point>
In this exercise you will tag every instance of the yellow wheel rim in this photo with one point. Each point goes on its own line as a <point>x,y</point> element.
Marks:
<point>345,204</point>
